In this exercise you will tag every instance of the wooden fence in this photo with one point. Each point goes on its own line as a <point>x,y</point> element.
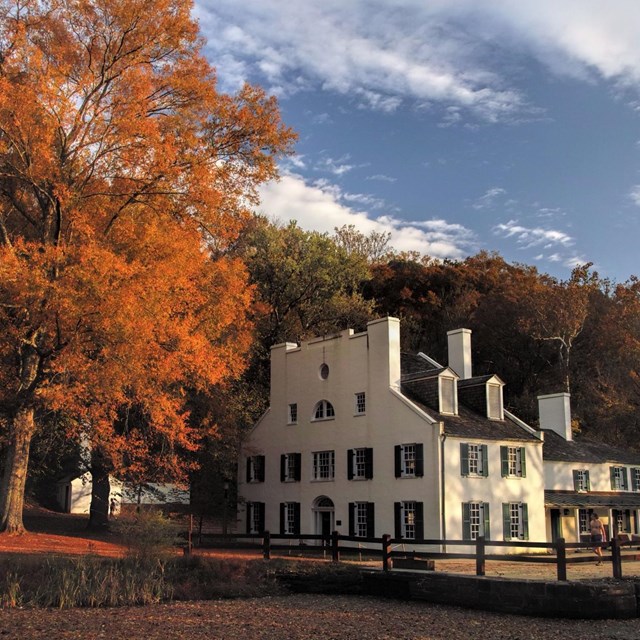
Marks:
<point>386,548</point>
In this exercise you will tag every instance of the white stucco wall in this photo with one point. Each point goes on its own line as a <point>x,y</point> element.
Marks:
<point>370,362</point>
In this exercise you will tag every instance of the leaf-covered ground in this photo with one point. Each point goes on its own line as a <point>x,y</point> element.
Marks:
<point>299,617</point>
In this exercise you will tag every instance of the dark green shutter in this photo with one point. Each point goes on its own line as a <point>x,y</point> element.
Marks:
<point>260,506</point>
<point>397,451</point>
<point>487,521</point>
<point>504,461</point>
<point>485,460</point>
<point>296,518</point>
<point>282,515</point>
<point>419,460</point>
<point>368,465</point>
<point>397,519</point>
<point>419,521</point>
<point>525,521</point>
<point>350,457</point>
<point>625,479</point>
<point>352,518</point>
<point>371,520</point>
<point>259,468</point>
<point>523,462</point>
<point>466,521</point>
<point>298,467</point>
<point>576,481</point>
<point>506,521</point>
<point>587,481</point>
<point>612,473</point>
<point>283,464</point>
<point>464,459</point>
<point>248,469</point>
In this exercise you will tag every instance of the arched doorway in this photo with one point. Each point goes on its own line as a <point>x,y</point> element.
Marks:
<point>323,516</point>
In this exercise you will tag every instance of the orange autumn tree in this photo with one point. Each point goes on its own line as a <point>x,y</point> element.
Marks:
<point>124,178</point>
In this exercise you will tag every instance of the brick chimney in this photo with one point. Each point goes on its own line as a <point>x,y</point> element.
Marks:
<point>555,414</point>
<point>459,344</point>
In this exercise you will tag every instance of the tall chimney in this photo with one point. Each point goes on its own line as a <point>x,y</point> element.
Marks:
<point>555,414</point>
<point>459,343</point>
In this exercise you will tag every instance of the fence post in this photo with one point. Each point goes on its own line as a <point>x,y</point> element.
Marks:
<point>190,538</point>
<point>561,556</point>
<point>335,551</point>
<point>266,545</point>
<point>480,551</point>
<point>386,551</point>
<point>616,557</point>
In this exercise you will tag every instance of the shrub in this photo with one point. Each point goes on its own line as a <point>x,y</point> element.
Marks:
<point>148,535</point>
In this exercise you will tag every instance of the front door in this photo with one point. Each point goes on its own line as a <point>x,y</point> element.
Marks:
<point>556,525</point>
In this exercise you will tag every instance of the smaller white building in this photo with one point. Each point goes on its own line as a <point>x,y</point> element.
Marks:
<point>583,476</point>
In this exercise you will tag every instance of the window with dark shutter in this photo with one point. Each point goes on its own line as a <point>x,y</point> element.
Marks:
<point>283,467</point>
<point>466,521</point>
<point>419,520</point>
<point>352,518</point>
<point>419,460</point>
<point>371,519</point>
<point>368,472</point>
<point>464,459</point>
<point>350,464</point>
<point>397,451</point>
<point>397,519</point>
<point>283,516</point>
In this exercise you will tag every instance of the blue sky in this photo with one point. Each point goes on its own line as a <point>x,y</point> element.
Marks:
<point>456,125</point>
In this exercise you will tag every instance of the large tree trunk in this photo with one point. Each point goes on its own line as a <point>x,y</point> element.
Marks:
<point>15,471</point>
<point>100,491</point>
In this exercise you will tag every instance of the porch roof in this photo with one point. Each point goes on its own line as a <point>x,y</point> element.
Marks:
<point>591,499</point>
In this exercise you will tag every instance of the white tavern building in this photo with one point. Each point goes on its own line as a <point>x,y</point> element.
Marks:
<point>364,440</point>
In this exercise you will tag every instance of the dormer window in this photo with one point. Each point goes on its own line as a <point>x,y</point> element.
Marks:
<point>494,402</point>
<point>323,411</point>
<point>448,395</point>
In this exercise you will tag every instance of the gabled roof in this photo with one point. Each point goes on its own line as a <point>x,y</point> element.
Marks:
<point>469,424</point>
<point>558,449</point>
<point>411,363</point>
<point>477,380</point>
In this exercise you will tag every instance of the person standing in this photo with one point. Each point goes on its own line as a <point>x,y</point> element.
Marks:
<point>597,535</point>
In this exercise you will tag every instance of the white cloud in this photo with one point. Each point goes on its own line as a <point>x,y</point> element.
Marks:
<point>381,177</point>
<point>319,207</point>
<point>445,51</point>
<point>529,237</point>
<point>487,200</point>
<point>634,194</point>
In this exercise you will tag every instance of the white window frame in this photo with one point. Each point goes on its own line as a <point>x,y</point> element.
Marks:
<point>581,480</point>
<point>476,459</point>
<point>360,403</point>
<point>359,464</point>
<point>253,469</point>
<point>323,466</point>
<point>583,521</point>
<point>292,417</point>
<point>408,460</point>
<point>289,518</point>
<point>635,478</point>
<point>323,411</point>
<point>254,518</point>
<point>290,467</point>
<point>619,474</point>
<point>514,462</point>
<point>516,521</point>
<point>408,520</point>
<point>450,380</point>
<point>360,520</point>
<point>476,519</point>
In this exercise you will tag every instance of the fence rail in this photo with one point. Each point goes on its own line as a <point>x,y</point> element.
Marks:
<point>387,548</point>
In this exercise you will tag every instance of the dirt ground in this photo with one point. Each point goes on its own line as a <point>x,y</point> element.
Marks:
<point>294,617</point>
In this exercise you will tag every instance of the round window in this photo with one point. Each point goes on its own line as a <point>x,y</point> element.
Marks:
<point>324,371</point>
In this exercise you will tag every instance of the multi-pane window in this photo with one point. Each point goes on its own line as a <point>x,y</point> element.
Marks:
<point>473,460</point>
<point>323,465</point>
<point>635,478</point>
<point>581,480</point>
<point>360,464</point>
<point>583,521</point>
<point>515,521</point>
<point>255,469</point>
<point>323,410</point>
<point>619,478</point>
<point>361,403</point>
<point>475,520</point>
<point>513,461</point>
<point>290,518</point>
<point>409,460</point>
<point>293,414</point>
<point>255,517</point>
<point>290,467</point>
<point>361,519</point>
<point>409,520</point>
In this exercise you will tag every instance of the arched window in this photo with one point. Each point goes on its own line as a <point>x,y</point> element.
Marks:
<point>323,410</point>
